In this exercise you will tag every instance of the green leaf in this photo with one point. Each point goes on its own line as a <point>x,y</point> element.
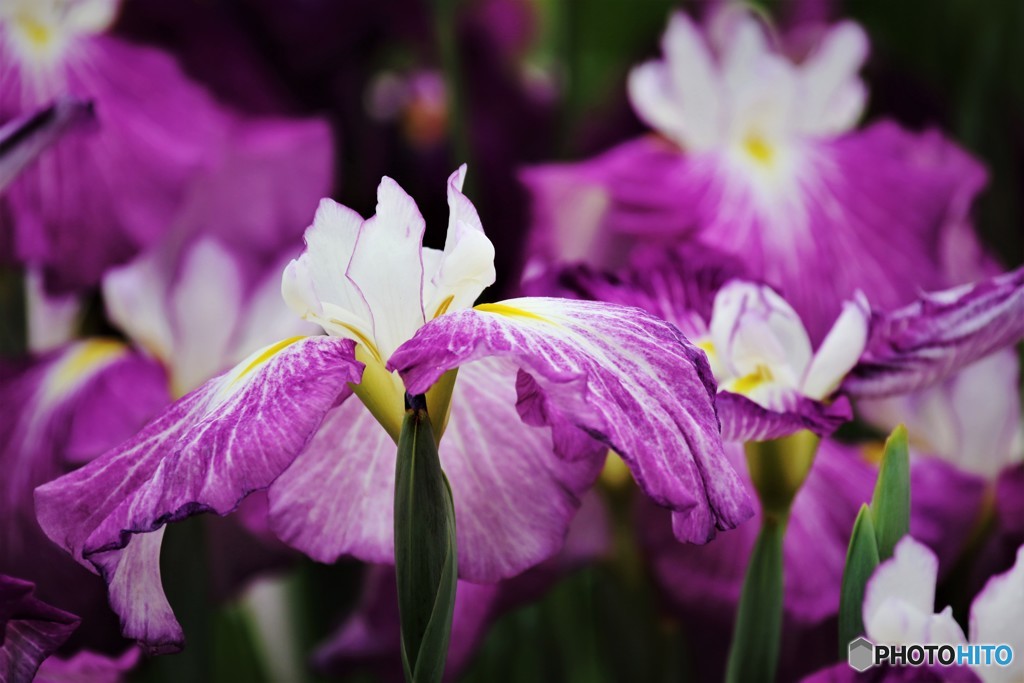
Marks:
<point>861,561</point>
<point>754,654</point>
<point>890,504</point>
<point>426,561</point>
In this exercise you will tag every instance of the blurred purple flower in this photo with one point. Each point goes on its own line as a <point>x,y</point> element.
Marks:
<point>30,630</point>
<point>565,380</point>
<point>56,413</point>
<point>757,156</point>
<point>96,199</point>
<point>88,667</point>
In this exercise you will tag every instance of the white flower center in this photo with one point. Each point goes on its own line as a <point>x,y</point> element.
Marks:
<point>373,281</point>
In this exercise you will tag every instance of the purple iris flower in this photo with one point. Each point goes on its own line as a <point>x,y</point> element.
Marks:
<point>758,155</point>
<point>97,199</point>
<point>543,388</point>
<point>772,382</point>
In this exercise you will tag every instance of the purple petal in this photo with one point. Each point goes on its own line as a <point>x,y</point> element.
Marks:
<point>513,498</point>
<point>927,341</point>
<point>1010,501</point>
<point>946,506</point>
<point>88,667</point>
<point>25,138</point>
<point>205,453</point>
<point>94,200</point>
<point>821,236</point>
<point>629,380</point>
<point>744,420</point>
<point>677,285</point>
<point>30,630</point>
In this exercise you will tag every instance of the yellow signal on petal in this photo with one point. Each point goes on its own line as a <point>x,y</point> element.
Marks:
<point>443,308</point>
<point>38,34</point>
<point>267,354</point>
<point>510,311</point>
<point>748,383</point>
<point>81,361</point>
<point>759,149</point>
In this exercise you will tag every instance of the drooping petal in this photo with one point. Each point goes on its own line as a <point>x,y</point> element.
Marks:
<point>900,596</point>
<point>64,409</point>
<point>920,344</point>
<point>513,498</point>
<point>205,453</point>
<point>338,496</point>
<point>996,617</point>
<point>30,630</point>
<point>629,380</point>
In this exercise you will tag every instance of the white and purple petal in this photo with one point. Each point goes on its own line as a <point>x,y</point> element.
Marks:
<point>996,617</point>
<point>629,380</point>
<point>205,453</point>
<point>744,420</point>
<point>513,498</point>
<point>899,600</point>
<point>922,343</point>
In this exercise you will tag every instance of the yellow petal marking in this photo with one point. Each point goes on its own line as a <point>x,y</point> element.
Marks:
<point>88,357</point>
<point>510,312</point>
<point>267,354</point>
<point>759,149</point>
<point>443,308</point>
<point>747,383</point>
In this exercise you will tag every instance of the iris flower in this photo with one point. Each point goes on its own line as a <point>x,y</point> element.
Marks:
<point>159,155</point>
<point>527,396</point>
<point>899,608</point>
<point>758,155</point>
<point>773,382</point>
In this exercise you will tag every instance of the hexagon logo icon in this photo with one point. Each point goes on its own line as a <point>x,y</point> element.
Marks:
<point>862,654</point>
